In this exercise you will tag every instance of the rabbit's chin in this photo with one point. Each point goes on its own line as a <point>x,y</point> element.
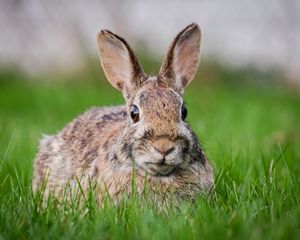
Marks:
<point>160,169</point>
<point>156,169</point>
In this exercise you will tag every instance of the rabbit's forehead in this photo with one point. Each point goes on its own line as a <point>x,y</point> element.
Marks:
<point>152,95</point>
<point>159,97</point>
<point>160,105</point>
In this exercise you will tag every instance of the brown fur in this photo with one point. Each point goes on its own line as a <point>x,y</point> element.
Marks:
<point>106,147</point>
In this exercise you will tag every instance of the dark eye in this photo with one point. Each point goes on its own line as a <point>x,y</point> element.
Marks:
<point>134,113</point>
<point>183,112</point>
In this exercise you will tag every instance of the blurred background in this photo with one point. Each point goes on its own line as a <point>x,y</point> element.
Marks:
<point>59,35</point>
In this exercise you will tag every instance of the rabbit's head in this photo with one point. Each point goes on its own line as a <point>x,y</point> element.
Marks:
<point>156,138</point>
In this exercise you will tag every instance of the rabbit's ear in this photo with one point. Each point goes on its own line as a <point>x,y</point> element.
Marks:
<point>119,62</point>
<point>181,62</point>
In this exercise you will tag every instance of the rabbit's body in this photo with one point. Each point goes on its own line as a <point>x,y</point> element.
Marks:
<point>79,150</point>
<point>146,140</point>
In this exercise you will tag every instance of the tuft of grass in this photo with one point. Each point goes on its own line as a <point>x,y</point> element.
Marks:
<point>251,134</point>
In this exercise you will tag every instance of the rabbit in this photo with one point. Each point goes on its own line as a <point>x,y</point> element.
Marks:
<point>148,138</point>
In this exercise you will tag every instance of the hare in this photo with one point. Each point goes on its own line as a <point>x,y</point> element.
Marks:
<point>148,138</point>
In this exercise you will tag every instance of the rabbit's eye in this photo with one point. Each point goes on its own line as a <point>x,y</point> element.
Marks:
<point>134,113</point>
<point>183,112</point>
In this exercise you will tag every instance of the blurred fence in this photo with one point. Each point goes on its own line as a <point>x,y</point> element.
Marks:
<point>40,35</point>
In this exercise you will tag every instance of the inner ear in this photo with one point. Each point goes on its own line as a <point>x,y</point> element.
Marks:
<point>119,62</point>
<point>181,63</point>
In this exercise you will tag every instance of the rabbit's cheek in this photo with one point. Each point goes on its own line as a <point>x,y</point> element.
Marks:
<point>144,158</point>
<point>177,156</point>
<point>141,159</point>
<point>173,159</point>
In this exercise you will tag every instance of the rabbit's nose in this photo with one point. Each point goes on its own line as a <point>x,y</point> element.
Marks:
<point>164,146</point>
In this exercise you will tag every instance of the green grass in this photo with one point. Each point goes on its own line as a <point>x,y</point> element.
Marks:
<point>250,131</point>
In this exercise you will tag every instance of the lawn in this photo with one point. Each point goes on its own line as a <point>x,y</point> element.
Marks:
<point>248,124</point>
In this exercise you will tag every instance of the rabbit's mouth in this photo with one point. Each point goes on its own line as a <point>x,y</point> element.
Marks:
<point>158,163</point>
<point>159,169</point>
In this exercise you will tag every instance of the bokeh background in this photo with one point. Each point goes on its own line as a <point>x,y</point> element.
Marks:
<point>244,105</point>
<point>46,36</point>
